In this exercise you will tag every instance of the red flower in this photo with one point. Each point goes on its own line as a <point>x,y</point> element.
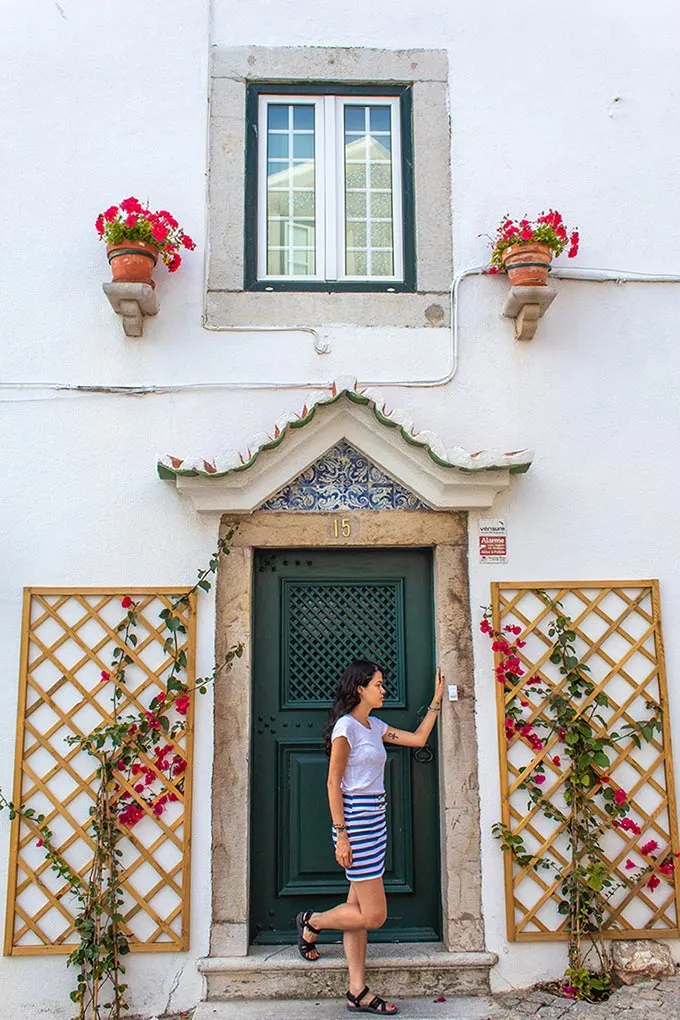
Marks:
<point>158,809</point>
<point>179,767</point>
<point>654,882</point>
<point>121,766</point>
<point>569,992</point>
<point>527,234</point>
<point>139,788</point>
<point>174,264</point>
<point>501,646</point>
<point>159,232</point>
<point>630,864</point>
<point>539,778</point>
<point>111,213</point>
<point>161,696</point>
<point>188,242</point>
<point>561,733</point>
<point>169,219</point>
<point>131,205</point>
<point>649,847</point>
<point>105,676</point>
<point>152,721</point>
<point>667,868</point>
<point>630,826</point>
<point>131,220</point>
<point>557,760</point>
<point>485,627</point>
<point>182,704</point>
<point>99,224</point>
<point>41,842</point>
<point>604,779</point>
<point>126,602</point>
<point>492,270</point>
<point>172,797</point>
<point>620,796</point>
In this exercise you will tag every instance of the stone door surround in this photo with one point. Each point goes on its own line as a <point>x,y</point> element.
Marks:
<point>446,533</point>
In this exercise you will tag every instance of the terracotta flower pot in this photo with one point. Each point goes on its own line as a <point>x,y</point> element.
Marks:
<point>528,265</point>
<point>132,261</point>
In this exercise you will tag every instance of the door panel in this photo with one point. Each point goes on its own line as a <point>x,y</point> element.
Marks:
<point>314,611</point>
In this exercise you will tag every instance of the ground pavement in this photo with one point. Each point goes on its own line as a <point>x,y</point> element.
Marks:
<point>648,1000</point>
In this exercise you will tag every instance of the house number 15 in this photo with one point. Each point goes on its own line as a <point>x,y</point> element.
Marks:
<point>342,527</point>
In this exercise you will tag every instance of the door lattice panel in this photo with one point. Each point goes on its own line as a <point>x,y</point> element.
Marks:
<point>68,638</point>
<point>327,624</point>
<point>618,635</point>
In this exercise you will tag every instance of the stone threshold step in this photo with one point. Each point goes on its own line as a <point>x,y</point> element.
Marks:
<point>404,969</point>
<point>457,1008</point>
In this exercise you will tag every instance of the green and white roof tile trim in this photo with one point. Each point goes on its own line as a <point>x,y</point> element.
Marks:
<point>442,478</point>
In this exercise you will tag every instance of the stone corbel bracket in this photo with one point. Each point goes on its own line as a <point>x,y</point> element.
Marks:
<point>133,301</point>
<point>526,305</point>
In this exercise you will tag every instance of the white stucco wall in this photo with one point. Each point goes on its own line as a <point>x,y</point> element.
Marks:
<point>99,102</point>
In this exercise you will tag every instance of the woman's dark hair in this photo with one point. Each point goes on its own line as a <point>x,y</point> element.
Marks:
<point>358,674</point>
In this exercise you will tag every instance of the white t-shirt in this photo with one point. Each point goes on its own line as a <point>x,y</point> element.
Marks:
<point>365,769</point>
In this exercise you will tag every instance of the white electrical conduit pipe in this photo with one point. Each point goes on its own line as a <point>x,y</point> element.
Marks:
<point>590,275</point>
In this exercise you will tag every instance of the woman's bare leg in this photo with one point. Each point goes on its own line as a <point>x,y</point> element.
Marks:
<point>369,910</point>
<point>354,943</point>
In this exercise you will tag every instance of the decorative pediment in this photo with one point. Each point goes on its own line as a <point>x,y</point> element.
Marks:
<point>397,462</point>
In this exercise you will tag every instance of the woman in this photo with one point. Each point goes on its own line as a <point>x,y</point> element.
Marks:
<point>356,794</point>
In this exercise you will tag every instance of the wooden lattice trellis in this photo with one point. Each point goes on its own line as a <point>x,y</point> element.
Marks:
<point>618,629</point>
<point>68,638</point>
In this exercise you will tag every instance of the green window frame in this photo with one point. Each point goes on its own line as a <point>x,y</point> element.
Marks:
<point>307,231</point>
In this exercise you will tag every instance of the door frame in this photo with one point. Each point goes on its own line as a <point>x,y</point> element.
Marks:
<point>460,840</point>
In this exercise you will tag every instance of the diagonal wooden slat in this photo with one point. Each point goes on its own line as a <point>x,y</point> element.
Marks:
<point>627,613</point>
<point>159,907</point>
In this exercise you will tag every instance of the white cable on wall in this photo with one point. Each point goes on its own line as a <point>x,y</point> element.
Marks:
<point>585,274</point>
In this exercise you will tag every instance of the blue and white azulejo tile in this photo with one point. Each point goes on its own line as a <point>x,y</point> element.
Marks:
<point>343,479</point>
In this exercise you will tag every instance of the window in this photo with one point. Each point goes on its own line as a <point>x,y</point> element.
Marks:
<point>329,196</point>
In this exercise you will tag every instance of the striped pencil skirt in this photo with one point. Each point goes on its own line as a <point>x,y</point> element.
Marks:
<point>366,823</point>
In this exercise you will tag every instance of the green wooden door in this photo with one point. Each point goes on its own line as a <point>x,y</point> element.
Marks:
<point>315,611</point>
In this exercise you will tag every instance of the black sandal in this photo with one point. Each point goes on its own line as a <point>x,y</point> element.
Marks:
<point>376,1005</point>
<point>305,947</point>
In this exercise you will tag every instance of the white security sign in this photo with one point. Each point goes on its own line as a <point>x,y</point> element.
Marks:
<point>493,542</point>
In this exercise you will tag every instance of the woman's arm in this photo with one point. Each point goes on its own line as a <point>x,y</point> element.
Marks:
<point>336,769</point>
<point>418,737</point>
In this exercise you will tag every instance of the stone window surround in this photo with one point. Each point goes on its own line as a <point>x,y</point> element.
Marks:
<point>446,533</point>
<point>228,305</point>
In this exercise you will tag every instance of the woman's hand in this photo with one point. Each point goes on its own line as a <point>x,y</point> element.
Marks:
<point>439,681</point>
<point>343,851</point>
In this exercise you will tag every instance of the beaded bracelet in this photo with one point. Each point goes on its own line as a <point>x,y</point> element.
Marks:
<point>340,828</point>
<point>431,709</point>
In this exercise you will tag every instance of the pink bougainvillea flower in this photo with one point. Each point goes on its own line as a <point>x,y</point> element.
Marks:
<point>630,826</point>
<point>41,842</point>
<point>630,864</point>
<point>105,676</point>
<point>569,992</point>
<point>604,779</point>
<point>667,868</point>
<point>485,627</point>
<point>182,704</point>
<point>172,797</point>
<point>649,847</point>
<point>501,646</point>
<point>654,882</point>
<point>557,760</point>
<point>126,602</point>
<point>620,796</point>
<point>161,696</point>
<point>153,722</point>
<point>539,778</point>
<point>139,788</point>
<point>561,733</point>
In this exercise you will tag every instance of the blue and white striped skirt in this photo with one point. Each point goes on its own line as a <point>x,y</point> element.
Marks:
<point>366,823</point>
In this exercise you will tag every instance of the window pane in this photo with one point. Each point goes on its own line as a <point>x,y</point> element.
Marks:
<point>357,263</point>
<point>380,118</point>
<point>368,205</point>
<point>291,190</point>
<point>303,118</point>
<point>277,117</point>
<point>355,118</point>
